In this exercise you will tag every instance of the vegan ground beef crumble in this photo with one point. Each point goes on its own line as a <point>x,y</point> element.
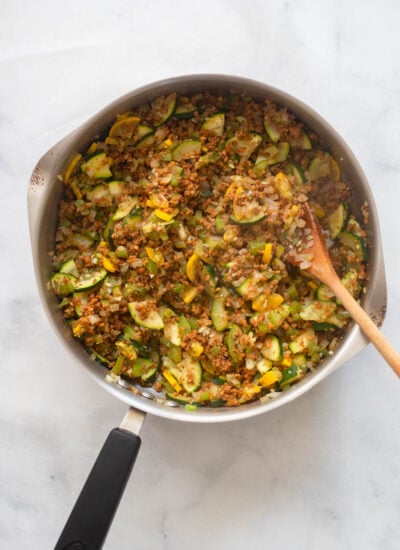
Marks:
<point>169,260</point>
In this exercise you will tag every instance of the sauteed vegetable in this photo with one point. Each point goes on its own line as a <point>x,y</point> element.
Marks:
<point>169,259</point>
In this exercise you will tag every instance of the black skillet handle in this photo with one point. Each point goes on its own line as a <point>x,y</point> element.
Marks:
<point>92,515</point>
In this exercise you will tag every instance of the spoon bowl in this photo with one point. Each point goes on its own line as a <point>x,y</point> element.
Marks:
<point>320,266</point>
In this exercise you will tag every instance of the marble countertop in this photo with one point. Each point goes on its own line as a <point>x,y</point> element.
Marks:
<point>321,472</point>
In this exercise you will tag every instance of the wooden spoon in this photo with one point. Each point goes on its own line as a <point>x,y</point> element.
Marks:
<point>322,268</point>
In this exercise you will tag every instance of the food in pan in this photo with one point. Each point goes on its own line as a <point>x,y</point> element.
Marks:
<point>169,260</point>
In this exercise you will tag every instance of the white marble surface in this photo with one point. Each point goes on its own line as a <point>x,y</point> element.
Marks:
<point>323,472</point>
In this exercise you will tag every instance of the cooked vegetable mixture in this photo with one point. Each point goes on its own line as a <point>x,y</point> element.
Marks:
<point>169,260</point>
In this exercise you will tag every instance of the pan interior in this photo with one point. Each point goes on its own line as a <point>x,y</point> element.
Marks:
<point>46,190</point>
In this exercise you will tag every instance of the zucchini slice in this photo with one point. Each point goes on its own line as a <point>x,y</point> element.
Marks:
<point>79,240</point>
<point>186,149</point>
<point>350,281</point>
<point>178,398</point>
<point>131,333</point>
<point>185,110</point>
<point>302,341</point>
<point>256,246</point>
<point>338,219</point>
<point>318,310</point>
<point>163,108</point>
<point>273,319</point>
<point>99,358</point>
<point>323,326</point>
<point>290,375</point>
<point>273,154</point>
<point>127,350</point>
<point>298,173</point>
<point>97,167</point>
<point>99,192</point>
<point>301,142</point>
<point>324,166</point>
<point>219,315</point>
<point>234,345</point>
<point>184,325</point>
<point>250,213</point>
<point>279,153</point>
<point>124,128</point>
<point>124,208</point>
<point>63,283</point>
<point>191,373</point>
<point>300,360</point>
<point>215,403</point>
<point>245,146</point>
<point>354,227</point>
<point>250,288</point>
<point>80,300</point>
<point>140,348</point>
<point>260,165</point>
<point>142,367</point>
<point>354,243</point>
<point>108,232</point>
<point>151,320</point>
<point>264,365</point>
<point>271,129</point>
<point>245,207</point>
<point>149,373</point>
<point>146,141</point>
<point>142,131</point>
<point>324,293</point>
<point>91,279</point>
<point>338,319</point>
<point>117,188</point>
<point>69,268</point>
<point>214,124</point>
<point>272,348</point>
<point>208,158</point>
<point>172,332</point>
<point>248,218</point>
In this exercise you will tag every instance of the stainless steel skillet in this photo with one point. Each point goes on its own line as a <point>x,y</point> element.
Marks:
<point>93,513</point>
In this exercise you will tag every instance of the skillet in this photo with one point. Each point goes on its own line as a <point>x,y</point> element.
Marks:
<point>93,512</point>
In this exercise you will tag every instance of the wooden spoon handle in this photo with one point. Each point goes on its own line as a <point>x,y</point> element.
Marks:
<point>366,324</point>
